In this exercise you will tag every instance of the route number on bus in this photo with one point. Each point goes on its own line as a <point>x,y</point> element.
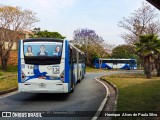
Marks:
<point>56,70</point>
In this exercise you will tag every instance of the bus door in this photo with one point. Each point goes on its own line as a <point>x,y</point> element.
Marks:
<point>114,64</point>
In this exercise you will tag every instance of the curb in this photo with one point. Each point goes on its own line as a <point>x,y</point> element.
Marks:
<point>101,108</point>
<point>8,91</point>
<point>116,89</point>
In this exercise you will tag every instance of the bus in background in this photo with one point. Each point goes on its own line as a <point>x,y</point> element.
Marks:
<point>127,64</point>
<point>48,65</point>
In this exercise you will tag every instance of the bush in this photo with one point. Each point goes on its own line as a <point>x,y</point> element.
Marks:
<point>12,68</point>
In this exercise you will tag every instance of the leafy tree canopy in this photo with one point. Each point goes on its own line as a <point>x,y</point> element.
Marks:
<point>38,33</point>
<point>148,48</point>
<point>92,44</point>
<point>123,51</point>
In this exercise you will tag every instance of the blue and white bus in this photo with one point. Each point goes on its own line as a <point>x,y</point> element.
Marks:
<point>115,63</point>
<point>48,65</point>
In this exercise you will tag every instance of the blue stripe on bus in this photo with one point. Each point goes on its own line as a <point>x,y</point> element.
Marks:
<point>126,66</point>
<point>67,66</point>
<point>107,66</point>
<point>38,74</point>
<point>19,62</point>
<point>104,65</point>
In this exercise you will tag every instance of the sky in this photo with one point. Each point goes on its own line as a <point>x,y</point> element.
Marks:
<point>65,16</point>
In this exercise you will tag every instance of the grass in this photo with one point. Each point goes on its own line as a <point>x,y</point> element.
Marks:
<point>12,68</point>
<point>10,71</point>
<point>8,83</point>
<point>136,93</point>
<point>92,69</point>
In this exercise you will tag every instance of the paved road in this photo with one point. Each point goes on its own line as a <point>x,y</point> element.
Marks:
<point>87,96</point>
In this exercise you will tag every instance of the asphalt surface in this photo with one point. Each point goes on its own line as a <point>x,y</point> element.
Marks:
<point>87,96</point>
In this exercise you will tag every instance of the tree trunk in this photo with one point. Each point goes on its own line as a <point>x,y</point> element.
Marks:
<point>148,68</point>
<point>158,72</point>
<point>157,65</point>
<point>4,64</point>
<point>148,74</point>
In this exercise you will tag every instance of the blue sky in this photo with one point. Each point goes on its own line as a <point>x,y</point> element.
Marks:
<point>65,16</point>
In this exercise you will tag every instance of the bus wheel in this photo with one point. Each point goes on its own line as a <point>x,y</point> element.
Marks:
<point>72,89</point>
<point>80,78</point>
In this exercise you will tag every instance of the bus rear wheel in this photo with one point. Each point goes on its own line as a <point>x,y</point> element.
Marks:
<point>72,88</point>
<point>80,78</point>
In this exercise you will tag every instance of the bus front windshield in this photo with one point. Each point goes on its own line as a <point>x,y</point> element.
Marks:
<point>50,49</point>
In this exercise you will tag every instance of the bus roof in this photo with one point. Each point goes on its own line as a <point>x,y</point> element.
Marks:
<point>114,59</point>
<point>41,39</point>
<point>76,48</point>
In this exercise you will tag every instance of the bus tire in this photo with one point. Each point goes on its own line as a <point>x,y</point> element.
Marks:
<point>79,81</point>
<point>80,78</point>
<point>72,89</point>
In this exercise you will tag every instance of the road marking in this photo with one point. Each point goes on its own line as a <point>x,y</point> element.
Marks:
<point>9,94</point>
<point>104,101</point>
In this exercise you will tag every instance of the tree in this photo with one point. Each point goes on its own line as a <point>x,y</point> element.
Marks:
<point>45,34</point>
<point>147,48</point>
<point>13,20</point>
<point>92,44</point>
<point>142,21</point>
<point>86,37</point>
<point>123,51</point>
<point>157,64</point>
<point>94,51</point>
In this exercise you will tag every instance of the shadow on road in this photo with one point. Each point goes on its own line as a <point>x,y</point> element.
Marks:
<point>39,97</point>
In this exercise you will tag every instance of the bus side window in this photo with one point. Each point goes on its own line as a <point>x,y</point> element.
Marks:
<point>74,56</point>
<point>80,58</point>
<point>70,55</point>
<point>79,54</point>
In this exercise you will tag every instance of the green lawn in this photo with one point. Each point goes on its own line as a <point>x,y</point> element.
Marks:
<point>12,68</point>
<point>92,69</point>
<point>8,82</point>
<point>10,71</point>
<point>136,93</point>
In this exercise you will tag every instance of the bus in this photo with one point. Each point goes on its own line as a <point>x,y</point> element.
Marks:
<point>104,63</point>
<point>48,65</point>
